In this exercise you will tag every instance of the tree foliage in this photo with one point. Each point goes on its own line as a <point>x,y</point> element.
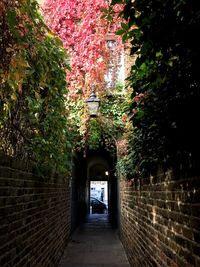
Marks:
<point>163,35</point>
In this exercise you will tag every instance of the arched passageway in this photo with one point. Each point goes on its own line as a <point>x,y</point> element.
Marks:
<point>98,165</point>
<point>95,242</point>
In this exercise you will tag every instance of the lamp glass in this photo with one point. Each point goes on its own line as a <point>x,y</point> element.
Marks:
<point>93,107</point>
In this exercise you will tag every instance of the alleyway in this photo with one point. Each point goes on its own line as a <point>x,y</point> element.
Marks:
<point>95,244</point>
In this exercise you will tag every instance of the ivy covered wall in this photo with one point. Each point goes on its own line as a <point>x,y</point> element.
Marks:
<point>33,117</point>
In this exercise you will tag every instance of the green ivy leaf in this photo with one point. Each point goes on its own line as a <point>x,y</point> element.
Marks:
<point>120,32</point>
<point>124,26</point>
<point>11,18</point>
<point>114,2</point>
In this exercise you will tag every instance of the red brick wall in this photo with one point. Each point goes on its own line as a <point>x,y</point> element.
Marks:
<point>160,221</point>
<point>34,217</point>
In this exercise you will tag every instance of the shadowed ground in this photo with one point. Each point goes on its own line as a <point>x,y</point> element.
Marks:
<point>95,244</point>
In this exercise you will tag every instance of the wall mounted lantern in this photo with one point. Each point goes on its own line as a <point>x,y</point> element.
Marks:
<point>93,103</point>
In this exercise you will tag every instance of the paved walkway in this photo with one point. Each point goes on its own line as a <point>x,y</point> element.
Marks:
<point>95,244</point>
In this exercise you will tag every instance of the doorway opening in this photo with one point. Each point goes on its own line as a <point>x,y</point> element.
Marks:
<point>98,197</point>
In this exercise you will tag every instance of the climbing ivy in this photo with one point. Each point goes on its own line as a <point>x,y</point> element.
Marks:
<point>106,128</point>
<point>85,33</point>
<point>165,80</point>
<point>33,117</point>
